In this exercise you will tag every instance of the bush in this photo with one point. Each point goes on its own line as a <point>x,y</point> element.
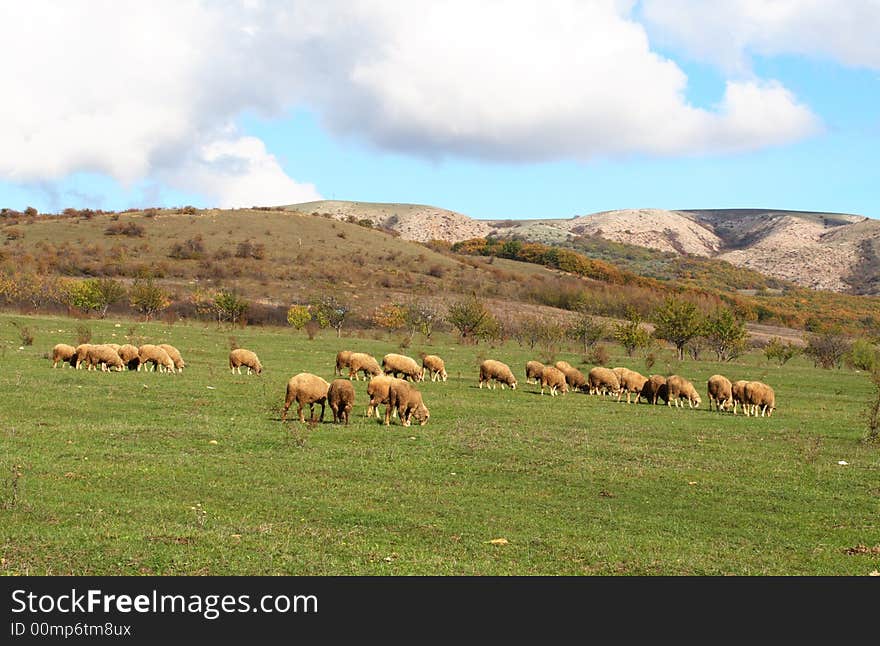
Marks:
<point>25,334</point>
<point>83,334</point>
<point>781,352</point>
<point>130,229</point>
<point>599,355</point>
<point>191,249</point>
<point>863,355</point>
<point>827,350</point>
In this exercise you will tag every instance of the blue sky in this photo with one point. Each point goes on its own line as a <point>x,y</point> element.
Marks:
<point>648,117</point>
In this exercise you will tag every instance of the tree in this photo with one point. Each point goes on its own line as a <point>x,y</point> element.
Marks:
<point>328,311</point>
<point>588,330</point>
<point>631,335</point>
<point>229,306</point>
<point>148,298</point>
<point>421,318</point>
<point>469,316</point>
<point>298,316</point>
<point>725,334</point>
<point>781,352</point>
<point>390,316</point>
<point>827,349</point>
<point>677,321</point>
<point>108,292</point>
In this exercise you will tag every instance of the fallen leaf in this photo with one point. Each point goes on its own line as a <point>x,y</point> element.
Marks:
<point>842,463</point>
<point>212,441</point>
<point>692,482</point>
<point>498,541</point>
<point>211,388</point>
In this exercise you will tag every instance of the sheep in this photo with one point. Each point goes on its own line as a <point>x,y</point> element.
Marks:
<point>680,388</point>
<point>654,389</point>
<point>407,367</point>
<point>377,392</point>
<point>115,346</point>
<point>631,382</point>
<point>603,380</point>
<point>305,388</point>
<point>759,396</point>
<point>533,371</point>
<point>404,397</point>
<point>149,353</point>
<point>719,390</point>
<point>130,356</point>
<point>575,379</point>
<point>491,370</point>
<point>564,366</point>
<point>340,397</point>
<point>738,393</point>
<point>104,356</point>
<point>174,353</point>
<point>63,353</point>
<point>81,351</point>
<point>554,379</point>
<point>362,362</point>
<point>343,357</point>
<point>241,357</point>
<point>434,365</point>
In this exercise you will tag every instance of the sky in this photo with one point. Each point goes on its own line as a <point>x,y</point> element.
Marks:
<point>496,109</point>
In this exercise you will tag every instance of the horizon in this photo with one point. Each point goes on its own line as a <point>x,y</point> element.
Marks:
<point>540,111</point>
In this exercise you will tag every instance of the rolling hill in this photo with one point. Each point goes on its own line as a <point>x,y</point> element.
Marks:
<point>828,251</point>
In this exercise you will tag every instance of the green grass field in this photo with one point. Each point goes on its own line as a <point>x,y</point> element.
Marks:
<point>134,473</point>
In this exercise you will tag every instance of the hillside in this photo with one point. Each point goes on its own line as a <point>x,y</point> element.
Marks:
<point>828,251</point>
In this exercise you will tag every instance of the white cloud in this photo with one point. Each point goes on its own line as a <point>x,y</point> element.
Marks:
<point>239,173</point>
<point>147,91</point>
<point>727,32</point>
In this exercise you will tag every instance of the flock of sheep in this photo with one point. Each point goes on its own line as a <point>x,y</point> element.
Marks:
<point>112,356</point>
<point>391,383</point>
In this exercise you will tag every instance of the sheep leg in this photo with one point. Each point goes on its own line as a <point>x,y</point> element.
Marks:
<point>322,411</point>
<point>388,414</point>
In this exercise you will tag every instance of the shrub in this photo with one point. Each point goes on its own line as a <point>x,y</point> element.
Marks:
<point>83,334</point>
<point>191,249</point>
<point>863,355</point>
<point>599,355</point>
<point>781,352</point>
<point>130,229</point>
<point>828,349</point>
<point>677,321</point>
<point>24,333</point>
<point>298,316</point>
<point>631,335</point>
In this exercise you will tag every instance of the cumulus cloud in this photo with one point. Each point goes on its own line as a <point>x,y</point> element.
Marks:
<point>727,32</point>
<point>236,172</point>
<point>151,91</point>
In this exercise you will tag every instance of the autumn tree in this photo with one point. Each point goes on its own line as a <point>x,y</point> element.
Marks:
<point>677,321</point>
<point>725,334</point>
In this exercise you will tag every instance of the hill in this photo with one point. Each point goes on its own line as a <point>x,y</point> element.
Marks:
<point>828,251</point>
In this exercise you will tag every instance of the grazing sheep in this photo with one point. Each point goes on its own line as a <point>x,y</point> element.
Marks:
<point>305,388</point>
<point>759,396</point>
<point>377,392</point>
<point>654,389</point>
<point>343,357</point>
<point>362,362</point>
<point>631,382</point>
<point>720,391</point>
<point>81,351</point>
<point>149,353</point>
<point>533,371</point>
<point>563,366</point>
<point>130,356</point>
<point>115,346</point>
<point>680,388</point>
<point>575,379</point>
<point>738,392</point>
<point>104,356</point>
<point>63,353</point>
<point>404,397</point>
<point>603,380</point>
<point>493,372</point>
<point>434,365</point>
<point>554,379</point>
<point>340,397</point>
<point>174,353</point>
<point>407,367</point>
<point>241,357</point>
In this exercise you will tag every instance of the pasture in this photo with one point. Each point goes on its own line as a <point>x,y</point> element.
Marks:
<point>145,473</point>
